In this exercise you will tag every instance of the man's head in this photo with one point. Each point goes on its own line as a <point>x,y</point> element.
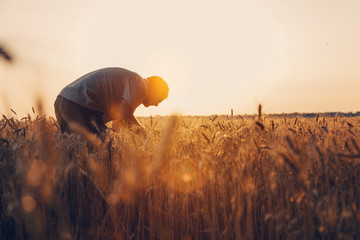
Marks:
<point>157,91</point>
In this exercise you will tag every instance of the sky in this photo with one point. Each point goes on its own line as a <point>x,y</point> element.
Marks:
<point>290,56</point>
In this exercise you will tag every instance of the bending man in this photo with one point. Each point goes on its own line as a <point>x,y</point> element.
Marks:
<point>109,94</point>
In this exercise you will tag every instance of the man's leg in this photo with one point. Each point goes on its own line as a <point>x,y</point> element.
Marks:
<point>72,117</point>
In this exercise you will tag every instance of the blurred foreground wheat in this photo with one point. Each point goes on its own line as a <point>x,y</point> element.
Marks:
<point>188,178</point>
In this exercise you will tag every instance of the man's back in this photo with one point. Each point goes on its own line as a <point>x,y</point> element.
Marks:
<point>103,90</point>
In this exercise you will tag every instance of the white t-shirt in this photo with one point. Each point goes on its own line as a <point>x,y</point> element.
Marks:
<point>102,90</point>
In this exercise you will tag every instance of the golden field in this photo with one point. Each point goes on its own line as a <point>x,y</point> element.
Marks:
<point>186,177</point>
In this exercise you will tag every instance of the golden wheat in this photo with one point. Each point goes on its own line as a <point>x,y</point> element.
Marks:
<point>187,178</point>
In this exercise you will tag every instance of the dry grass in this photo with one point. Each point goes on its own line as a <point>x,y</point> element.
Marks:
<point>188,178</point>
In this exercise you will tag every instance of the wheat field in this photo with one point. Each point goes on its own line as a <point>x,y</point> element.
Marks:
<point>186,177</point>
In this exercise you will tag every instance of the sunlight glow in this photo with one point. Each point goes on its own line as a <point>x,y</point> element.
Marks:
<point>289,56</point>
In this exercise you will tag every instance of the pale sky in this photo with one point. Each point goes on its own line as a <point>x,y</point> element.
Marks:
<point>289,55</point>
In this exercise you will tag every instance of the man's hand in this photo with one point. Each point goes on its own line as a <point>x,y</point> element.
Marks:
<point>131,125</point>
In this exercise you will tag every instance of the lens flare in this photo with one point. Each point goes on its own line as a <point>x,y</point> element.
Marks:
<point>184,177</point>
<point>28,203</point>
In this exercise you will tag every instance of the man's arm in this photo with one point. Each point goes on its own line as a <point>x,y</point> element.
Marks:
<point>134,121</point>
<point>125,117</point>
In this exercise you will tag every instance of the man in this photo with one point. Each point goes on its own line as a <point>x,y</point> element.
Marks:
<point>109,94</point>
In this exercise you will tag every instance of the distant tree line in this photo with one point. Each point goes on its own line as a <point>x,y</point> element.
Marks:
<point>312,115</point>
